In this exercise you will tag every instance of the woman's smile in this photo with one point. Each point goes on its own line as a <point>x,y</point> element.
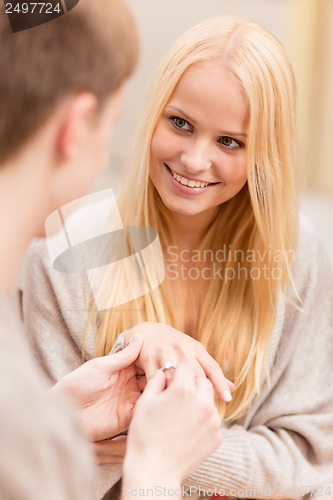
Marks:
<point>188,185</point>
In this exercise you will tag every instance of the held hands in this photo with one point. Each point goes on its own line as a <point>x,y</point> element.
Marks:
<point>106,390</point>
<point>173,429</point>
<point>163,343</point>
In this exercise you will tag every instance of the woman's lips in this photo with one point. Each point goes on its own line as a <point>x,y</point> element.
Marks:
<point>185,189</point>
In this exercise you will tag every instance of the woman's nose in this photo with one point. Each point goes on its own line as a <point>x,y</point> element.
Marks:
<point>197,157</point>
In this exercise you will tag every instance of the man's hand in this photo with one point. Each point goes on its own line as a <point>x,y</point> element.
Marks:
<point>173,430</point>
<point>106,390</point>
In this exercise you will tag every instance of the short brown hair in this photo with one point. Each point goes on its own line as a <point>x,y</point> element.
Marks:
<point>93,48</point>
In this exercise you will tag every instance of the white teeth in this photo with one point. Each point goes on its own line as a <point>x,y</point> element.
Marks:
<point>188,182</point>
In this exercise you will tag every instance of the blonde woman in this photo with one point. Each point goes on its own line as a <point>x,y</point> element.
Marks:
<point>215,173</point>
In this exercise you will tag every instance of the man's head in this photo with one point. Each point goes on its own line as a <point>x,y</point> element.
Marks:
<point>61,82</point>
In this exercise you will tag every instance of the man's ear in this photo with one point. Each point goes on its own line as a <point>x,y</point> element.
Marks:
<point>74,125</point>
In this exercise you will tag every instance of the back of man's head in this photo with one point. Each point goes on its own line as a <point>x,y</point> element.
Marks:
<point>92,48</point>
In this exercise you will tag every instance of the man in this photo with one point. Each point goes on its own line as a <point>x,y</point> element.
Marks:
<point>61,89</point>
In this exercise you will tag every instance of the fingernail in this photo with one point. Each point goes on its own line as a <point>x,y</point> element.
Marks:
<point>227,396</point>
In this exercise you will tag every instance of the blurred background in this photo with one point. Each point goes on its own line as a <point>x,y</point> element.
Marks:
<point>305,27</point>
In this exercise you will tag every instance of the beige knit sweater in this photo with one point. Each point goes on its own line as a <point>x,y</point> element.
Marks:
<point>285,441</point>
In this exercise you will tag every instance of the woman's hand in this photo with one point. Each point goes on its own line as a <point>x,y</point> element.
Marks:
<point>173,430</point>
<point>163,343</point>
<point>106,390</point>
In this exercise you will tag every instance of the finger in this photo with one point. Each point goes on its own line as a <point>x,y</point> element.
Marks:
<point>142,382</point>
<point>104,459</point>
<point>205,394</point>
<point>183,377</point>
<point>155,385</point>
<point>148,366</point>
<point>230,384</point>
<point>111,450</point>
<point>198,371</point>
<point>169,374</point>
<point>168,356</point>
<point>124,358</point>
<point>205,388</point>
<point>216,376</point>
<point>139,371</point>
<point>194,366</point>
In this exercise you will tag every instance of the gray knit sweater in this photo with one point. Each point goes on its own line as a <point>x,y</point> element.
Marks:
<point>284,444</point>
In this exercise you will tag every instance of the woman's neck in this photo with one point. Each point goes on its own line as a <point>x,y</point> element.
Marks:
<point>191,229</point>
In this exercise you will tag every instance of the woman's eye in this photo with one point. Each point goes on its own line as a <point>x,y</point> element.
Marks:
<point>229,142</point>
<point>181,123</point>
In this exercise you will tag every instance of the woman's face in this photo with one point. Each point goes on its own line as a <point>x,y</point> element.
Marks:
<point>198,150</point>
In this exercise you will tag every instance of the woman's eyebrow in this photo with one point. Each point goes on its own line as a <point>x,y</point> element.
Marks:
<point>188,117</point>
<point>181,112</point>
<point>228,132</point>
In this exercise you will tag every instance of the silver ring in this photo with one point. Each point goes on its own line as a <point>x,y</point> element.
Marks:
<point>167,366</point>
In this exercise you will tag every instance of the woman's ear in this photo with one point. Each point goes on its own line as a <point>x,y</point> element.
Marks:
<point>74,125</point>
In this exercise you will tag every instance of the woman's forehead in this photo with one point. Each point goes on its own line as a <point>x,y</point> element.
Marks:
<point>208,92</point>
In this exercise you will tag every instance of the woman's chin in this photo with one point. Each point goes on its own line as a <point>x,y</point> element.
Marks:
<point>180,208</point>
<point>183,211</point>
<point>183,207</point>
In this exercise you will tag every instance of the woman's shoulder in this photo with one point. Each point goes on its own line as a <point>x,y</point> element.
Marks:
<point>308,237</point>
<point>311,265</point>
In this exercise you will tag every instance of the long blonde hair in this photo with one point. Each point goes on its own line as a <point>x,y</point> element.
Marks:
<point>236,316</point>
